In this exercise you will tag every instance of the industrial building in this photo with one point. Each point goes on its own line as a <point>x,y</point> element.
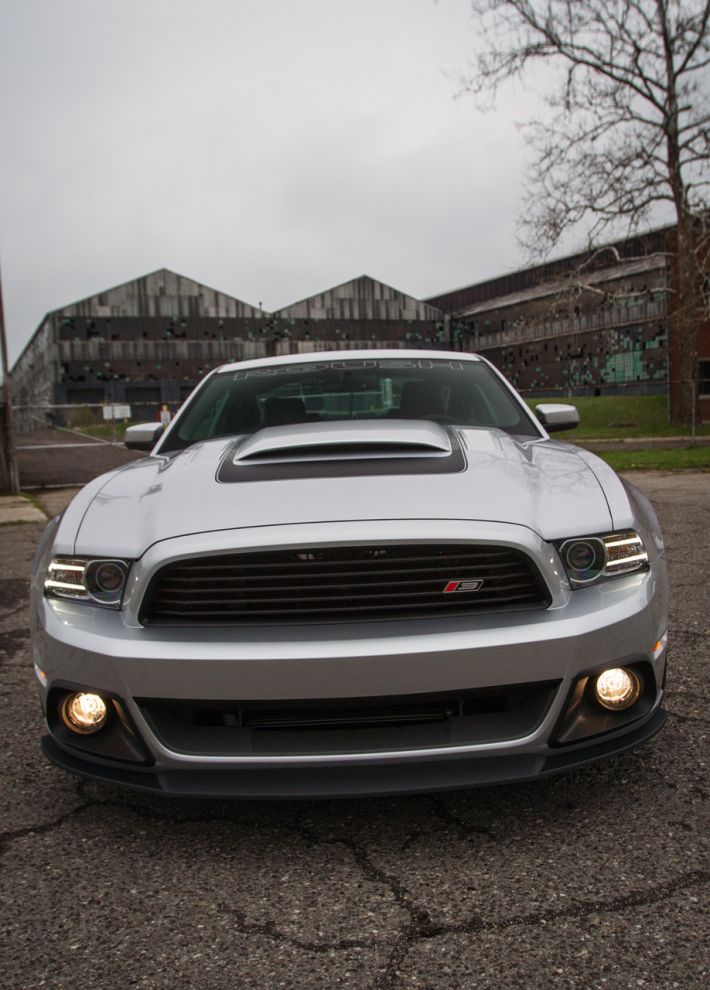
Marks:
<point>587,324</point>
<point>590,323</point>
<point>146,343</point>
<point>597,322</point>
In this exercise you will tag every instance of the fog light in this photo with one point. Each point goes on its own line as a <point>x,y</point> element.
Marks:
<point>617,689</point>
<point>83,712</point>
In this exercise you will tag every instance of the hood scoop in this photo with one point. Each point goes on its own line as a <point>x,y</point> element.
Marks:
<point>345,440</point>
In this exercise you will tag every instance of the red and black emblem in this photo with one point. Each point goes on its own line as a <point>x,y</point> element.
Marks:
<point>474,584</point>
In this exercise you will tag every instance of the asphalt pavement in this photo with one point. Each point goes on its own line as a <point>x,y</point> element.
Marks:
<point>595,879</point>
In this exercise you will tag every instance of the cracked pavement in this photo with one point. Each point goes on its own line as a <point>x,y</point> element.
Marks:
<point>593,879</point>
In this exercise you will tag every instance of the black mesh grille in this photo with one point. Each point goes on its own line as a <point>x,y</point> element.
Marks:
<point>326,584</point>
<point>348,725</point>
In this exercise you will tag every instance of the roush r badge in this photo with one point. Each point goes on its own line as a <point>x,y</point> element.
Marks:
<point>473,585</point>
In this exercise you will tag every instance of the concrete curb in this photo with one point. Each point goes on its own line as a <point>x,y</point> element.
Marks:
<point>17,509</point>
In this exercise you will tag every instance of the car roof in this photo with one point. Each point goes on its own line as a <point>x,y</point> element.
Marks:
<point>311,356</point>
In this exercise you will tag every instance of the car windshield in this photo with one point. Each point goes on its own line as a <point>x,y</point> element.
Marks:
<point>462,393</point>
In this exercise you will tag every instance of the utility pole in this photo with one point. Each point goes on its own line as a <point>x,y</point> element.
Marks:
<point>8,433</point>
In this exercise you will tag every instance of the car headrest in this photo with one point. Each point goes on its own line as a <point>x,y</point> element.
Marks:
<point>421,399</point>
<point>280,411</point>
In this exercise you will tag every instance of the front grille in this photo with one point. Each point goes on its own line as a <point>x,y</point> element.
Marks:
<point>328,584</point>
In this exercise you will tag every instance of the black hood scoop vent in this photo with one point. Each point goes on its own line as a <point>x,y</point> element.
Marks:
<point>343,449</point>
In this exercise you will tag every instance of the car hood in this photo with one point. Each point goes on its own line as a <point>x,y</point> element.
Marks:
<point>549,487</point>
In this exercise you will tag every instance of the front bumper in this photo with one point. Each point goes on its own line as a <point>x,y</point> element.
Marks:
<point>99,649</point>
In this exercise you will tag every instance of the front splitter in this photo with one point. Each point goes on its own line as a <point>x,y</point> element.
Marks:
<point>348,780</point>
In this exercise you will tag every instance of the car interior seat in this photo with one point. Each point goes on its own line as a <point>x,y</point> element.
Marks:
<point>421,400</point>
<point>279,411</point>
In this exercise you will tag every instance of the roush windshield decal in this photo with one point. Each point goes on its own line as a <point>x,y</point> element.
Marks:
<point>366,364</point>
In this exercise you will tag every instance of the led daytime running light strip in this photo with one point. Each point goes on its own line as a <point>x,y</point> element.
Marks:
<point>66,569</point>
<point>51,583</point>
<point>627,560</point>
<point>624,552</point>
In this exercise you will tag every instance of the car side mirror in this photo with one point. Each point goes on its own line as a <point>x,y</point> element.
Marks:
<point>555,416</point>
<point>143,436</point>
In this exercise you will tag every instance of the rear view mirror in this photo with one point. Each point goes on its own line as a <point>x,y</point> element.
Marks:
<point>555,416</point>
<point>143,436</point>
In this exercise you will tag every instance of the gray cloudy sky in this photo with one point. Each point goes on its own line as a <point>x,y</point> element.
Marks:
<point>269,148</point>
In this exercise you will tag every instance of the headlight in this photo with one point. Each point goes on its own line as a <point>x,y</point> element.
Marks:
<point>98,582</point>
<point>591,558</point>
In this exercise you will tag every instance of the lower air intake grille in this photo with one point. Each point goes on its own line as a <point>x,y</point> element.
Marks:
<point>330,584</point>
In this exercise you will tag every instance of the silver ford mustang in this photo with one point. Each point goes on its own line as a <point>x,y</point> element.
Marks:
<point>350,573</point>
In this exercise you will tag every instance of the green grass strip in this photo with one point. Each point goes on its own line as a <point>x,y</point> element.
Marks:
<point>697,458</point>
<point>610,416</point>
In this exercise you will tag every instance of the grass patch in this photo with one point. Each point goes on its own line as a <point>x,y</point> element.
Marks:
<point>609,416</point>
<point>697,458</point>
<point>106,429</point>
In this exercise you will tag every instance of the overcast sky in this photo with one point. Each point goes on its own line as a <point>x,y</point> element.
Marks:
<point>268,148</point>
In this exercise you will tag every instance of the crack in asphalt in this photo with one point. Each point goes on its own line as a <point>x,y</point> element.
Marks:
<point>421,926</point>
<point>420,920</point>
<point>465,829</point>
<point>475,924</point>
<point>40,829</point>
<point>268,930</point>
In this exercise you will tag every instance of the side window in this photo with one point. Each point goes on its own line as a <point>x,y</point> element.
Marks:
<point>202,418</point>
<point>207,427</point>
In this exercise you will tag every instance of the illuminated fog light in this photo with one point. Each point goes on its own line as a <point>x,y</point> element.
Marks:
<point>617,689</point>
<point>83,712</point>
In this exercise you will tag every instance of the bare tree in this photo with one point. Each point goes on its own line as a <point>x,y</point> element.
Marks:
<point>627,130</point>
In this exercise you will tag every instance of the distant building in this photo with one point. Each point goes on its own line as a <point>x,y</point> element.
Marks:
<point>147,342</point>
<point>591,323</point>
<point>360,313</point>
